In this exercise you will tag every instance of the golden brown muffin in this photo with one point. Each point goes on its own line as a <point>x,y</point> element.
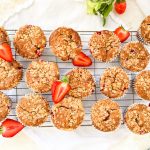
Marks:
<point>40,75</point>
<point>67,114</point>
<point>145,30</point>
<point>5,105</point>
<point>10,74</point>
<point>142,84</point>
<point>32,110</point>
<point>137,118</point>
<point>3,36</point>
<point>30,41</point>
<point>134,56</point>
<point>82,82</point>
<point>104,46</point>
<point>114,82</point>
<point>106,115</point>
<point>65,43</point>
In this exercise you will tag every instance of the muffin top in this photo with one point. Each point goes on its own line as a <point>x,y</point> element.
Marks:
<point>65,43</point>
<point>104,45</point>
<point>40,75</point>
<point>145,29</point>
<point>5,104</point>
<point>32,110</point>
<point>142,84</point>
<point>106,115</point>
<point>30,41</point>
<point>82,82</point>
<point>3,36</point>
<point>137,118</point>
<point>10,74</point>
<point>67,114</point>
<point>114,82</point>
<point>134,56</point>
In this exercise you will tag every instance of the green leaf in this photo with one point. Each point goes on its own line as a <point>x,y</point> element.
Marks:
<point>65,79</point>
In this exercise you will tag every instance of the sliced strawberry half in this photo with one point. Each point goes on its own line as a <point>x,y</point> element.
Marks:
<point>10,128</point>
<point>59,89</point>
<point>5,52</point>
<point>122,33</point>
<point>82,60</point>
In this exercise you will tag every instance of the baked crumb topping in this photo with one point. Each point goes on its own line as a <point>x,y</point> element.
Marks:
<point>104,45</point>
<point>3,36</point>
<point>30,41</point>
<point>142,84</point>
<point>134,56</point>
<point>114,82</point>
<point>40,75</point>
<point>33,110</point>
<point>106,115</point>
<point>68,114</point>
<point>137,118</point>
<point>82,82</point>
<point>10,74</point>
<point>65,43</point>
<point>5,104</point>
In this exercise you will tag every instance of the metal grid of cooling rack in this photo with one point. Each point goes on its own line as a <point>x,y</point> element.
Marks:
<point>96,69</point>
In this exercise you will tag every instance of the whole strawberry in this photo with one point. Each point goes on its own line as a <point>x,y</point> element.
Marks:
<point>120,6</point>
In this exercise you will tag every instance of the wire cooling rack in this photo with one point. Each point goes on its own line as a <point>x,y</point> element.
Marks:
<point>96,69</point>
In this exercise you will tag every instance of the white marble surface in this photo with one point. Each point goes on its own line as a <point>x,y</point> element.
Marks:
<point>49,14</point>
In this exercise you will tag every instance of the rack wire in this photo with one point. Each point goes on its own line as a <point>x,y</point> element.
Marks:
<point>96,69</point>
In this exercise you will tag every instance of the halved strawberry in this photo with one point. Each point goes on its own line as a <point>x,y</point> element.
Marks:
<point>59,89</point>
<point>5,52</point>
<point>82,60</point>
<point>122,33</point>
<point>10,128</point>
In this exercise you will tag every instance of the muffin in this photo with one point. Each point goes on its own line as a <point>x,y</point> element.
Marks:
<point>40,75</point>
<point>5,104</point>
<point>68,114</point>
<point>114,82</point>
<point>30,41</point>
<point>65,43</point>
<point>134,56</point>
<point>106,115</point>
<point>10,74</point>
<point>104,45</point>
<point>142,84</point>
<point>144,31</point>
<point>32,110</point>
<point>137,118</point>
<point>82,82</point>
<point>3,36</point>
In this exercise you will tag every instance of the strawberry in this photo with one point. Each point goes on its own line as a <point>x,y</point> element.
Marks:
<point>59,89</point>
<point>5,52</point>
<point>122,33</point>
<point>10,128</point>
<point>82,60</point>
<point>120,6</point>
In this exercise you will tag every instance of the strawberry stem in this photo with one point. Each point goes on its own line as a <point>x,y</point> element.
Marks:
<point>120,1</point>
<point>1,130</point>
<point>65,79</point>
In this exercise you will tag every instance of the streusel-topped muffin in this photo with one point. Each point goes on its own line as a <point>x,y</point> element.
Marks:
<point>106,115</point>
<point>114,82</point>
<point>3,36</point>
<point>30,41</point>
<point>5,105</point>
<point>137,118</point>
<point>68,114</point>
<point>65,43</point>
<point>134,56</point>
<point>142,84</point>
<point>32,110</point>
<point>104,45</point>
<point>82,82</point>
<point>40,75</point>
<point>10,74</point>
